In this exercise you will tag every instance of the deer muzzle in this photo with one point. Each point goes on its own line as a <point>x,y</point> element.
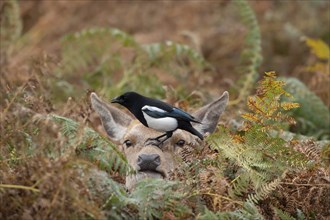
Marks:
<point>148,162</point>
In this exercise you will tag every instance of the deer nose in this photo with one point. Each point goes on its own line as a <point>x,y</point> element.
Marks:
<point>148,161</point>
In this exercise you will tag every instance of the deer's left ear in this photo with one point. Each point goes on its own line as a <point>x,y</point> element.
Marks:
<point>115,121</point>
<point>209,114</point>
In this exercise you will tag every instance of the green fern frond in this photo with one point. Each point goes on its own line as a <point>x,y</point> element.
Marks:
<point>251,56</point>
<point>244,157</point>
<point>171,50</point>
<point>93,146</point>
<point>207,215</point>
<point>94,50</point>
<point>264,191</point>
<point>153,197</point>
<point>262,160</point>
<point>137,79</point>
<point>249,211</point>
<point>313,116</point>
<point>282,215</point>
<point>117,200</point>
<point>258,152</point>
<point>241,184</point>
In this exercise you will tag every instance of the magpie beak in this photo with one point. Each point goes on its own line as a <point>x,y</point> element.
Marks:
<point>117,100</point>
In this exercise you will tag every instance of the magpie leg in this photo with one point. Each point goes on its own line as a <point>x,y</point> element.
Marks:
<point>157,138</point>
<point>168,135</point>
<point>160,142</point>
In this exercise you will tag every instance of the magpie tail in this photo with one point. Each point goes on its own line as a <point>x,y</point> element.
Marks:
<point>195,121</point>
<point>193,131</point>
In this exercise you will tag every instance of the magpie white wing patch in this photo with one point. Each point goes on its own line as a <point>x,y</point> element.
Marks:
<point>162,124</point>
<point>152,108</point>
<point>154,112</point>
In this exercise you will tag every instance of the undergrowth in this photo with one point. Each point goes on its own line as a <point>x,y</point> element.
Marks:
<point>263,159</point>
<point>54,163</point>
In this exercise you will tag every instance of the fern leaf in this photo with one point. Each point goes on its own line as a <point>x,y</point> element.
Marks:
<point>93,48</point>
<point>170,50</point>
<point>154,196</point>
<point>264,191</point>
<point>241,185</point>
<point>282,215</point>
<point>249,211</point>
<point>266,106</point>
<point>313,113</point>
<point>93,146</point>
<point>251,55</point>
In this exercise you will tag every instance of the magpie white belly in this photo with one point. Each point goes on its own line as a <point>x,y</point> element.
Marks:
<point>161,124</point>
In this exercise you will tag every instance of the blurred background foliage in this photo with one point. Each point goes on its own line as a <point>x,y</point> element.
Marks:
<point>54,156</point>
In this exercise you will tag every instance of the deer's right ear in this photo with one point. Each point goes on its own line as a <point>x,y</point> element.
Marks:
<point>114,121</point>
<point>209,114</point>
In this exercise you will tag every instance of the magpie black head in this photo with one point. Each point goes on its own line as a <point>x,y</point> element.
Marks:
<point>127,99</point>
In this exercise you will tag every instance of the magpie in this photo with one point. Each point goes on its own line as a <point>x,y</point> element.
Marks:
<point>157,115</point>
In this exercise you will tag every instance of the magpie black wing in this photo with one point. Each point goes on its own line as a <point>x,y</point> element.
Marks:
<point>179,114</point>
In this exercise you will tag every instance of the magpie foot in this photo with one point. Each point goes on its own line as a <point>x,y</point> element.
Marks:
<point>167,135</point>
<point>153,141</point>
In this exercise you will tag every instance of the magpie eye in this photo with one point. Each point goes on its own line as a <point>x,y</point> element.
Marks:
<point>180,143</point>
<point>128,143</point>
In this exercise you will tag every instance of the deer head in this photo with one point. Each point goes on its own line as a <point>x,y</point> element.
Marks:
<point>132,138</point>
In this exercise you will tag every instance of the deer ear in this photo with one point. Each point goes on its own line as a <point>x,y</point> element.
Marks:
<point>114,121</point>
<point>209,114</point>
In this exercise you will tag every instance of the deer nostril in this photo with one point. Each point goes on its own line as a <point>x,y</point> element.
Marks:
<point>139,161</point>
<point>157,160</point>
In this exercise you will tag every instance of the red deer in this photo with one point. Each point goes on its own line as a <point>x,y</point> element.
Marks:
<point>133,138</point>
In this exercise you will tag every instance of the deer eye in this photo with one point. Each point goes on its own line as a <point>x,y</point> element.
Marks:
<point>180,143</point>
<point>128,143</point>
